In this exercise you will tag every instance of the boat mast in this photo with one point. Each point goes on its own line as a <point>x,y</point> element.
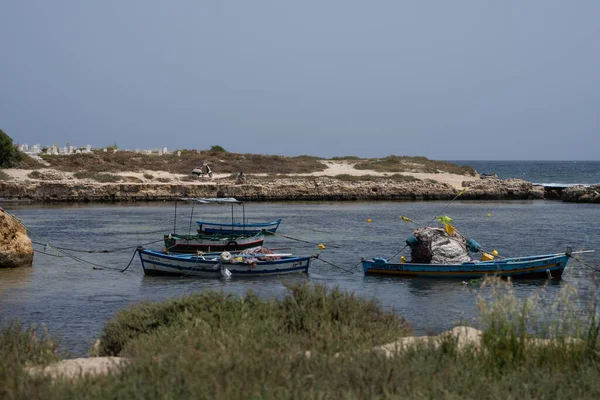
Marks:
<point>243,218</point>
<point>175,217</point>
<point>191,217</point>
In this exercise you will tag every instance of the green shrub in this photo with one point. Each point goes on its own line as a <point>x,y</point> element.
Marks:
<point>217,149</point>
<point>148,176</point>
<point>371,178</point>
<point>97,176</point>
<point>310,317</point>
<point>414,164</point>
<point>35,175</point>
<point>349,158</point>
<point>9,154</point>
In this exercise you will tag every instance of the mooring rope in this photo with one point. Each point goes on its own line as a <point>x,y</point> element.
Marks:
<point>59,251</point>
<point>130,261</point>
<point>318,257</point>
<point>584,264</point>
<point>304,241</point>
<point>398,252</point>
<point>98,251</point>
<point>49,254</point>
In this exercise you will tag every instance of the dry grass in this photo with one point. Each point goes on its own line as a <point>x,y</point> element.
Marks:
<point>232,163</point>
<point>220,162</point>
<point>374,178</point>
<point>29,163</point>
<point>413,164</point>
<point>98,176</point>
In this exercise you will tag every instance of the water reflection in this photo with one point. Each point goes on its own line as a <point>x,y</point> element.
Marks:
<point>15,278</point>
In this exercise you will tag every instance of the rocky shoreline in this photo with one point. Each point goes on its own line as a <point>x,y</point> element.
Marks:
<point>299,189</point>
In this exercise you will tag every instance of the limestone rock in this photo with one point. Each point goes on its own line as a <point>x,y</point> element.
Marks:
<point>502,189</point>
<point>582,194</point>
<point>322,188</point>
<point>16,249</point>
<point>80,367</point>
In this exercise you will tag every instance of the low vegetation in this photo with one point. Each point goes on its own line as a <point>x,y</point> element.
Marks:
<point>315,343</point>
<point>413,164</point>
<point>97,176</point>
<point>219,161</point>
<point>45,175</point>
<point>222,161</point>
<point>4,176</point>
<point>375,178</point>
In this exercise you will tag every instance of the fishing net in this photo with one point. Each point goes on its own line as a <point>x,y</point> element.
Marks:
<point>435,246</point>
<point>258,251</point>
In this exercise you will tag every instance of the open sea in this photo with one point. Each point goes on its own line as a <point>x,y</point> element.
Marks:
<point>547,173</point>
<point>74,300</point>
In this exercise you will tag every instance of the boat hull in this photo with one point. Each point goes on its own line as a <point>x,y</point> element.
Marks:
<point>158,263</point>
<point>237,228</point>
<point>211,243</point>
<point>543,266</point>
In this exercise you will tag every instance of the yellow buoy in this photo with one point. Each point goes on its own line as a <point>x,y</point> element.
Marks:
<point>489,215</point>
<point>495,252</point>
<point>321,246</point>
<point>369,220</point>
<point>402,260</point>
<point>487,257</point>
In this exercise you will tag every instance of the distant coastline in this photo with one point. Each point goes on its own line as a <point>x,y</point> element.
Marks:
<point>61,179</point>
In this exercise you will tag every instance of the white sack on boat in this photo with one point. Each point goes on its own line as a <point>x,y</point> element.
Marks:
<point>435,246</point>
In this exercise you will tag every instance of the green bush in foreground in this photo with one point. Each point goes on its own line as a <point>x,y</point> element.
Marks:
<point>21,347</point>
<point>309,318</point>
<point>212,345</point>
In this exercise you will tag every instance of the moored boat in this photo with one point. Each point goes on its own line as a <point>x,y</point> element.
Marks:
<point>232,228</point>
<point>238,227</point>
<point>222,264</point>
<point>538,266</point>
<point>211,243</point>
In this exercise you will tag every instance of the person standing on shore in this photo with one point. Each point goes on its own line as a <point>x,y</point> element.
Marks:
<point>241,178</point>
<point>208,171</point>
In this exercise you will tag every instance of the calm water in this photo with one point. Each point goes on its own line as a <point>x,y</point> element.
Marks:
<point>542,172</point>
<point>75,301</point>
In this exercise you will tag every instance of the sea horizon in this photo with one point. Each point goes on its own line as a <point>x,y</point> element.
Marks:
<point>547,172</point>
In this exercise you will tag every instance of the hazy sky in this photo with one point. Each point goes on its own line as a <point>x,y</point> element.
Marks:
<point>442,79</point>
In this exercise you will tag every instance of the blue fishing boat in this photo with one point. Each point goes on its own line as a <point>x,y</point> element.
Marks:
<point>238,227</point>
<point>225,264</point>
<point>539,266</point>
<point>232,228</point>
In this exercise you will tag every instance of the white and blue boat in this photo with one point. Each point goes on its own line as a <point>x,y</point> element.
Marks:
<point>539,266</point>
<point>233,228</point>
<point>215,265</point>
<point>238,227</point>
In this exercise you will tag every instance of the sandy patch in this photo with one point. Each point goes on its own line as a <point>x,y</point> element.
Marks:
<point>347,167</point>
